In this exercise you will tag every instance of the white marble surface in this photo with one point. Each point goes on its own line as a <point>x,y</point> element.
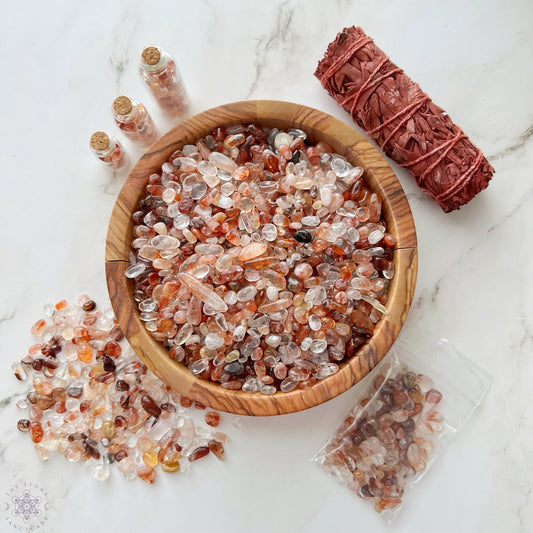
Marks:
<point>64,62</point>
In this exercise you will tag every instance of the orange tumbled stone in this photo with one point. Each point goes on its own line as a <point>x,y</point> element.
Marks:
<point>85,353</point>
<point>150,459</point>
<point>147,474</point>
<point>198,453</point>
<point>217,448</point>
<point>38,328</point>
<point>253,250</point>
<point>61,305</point>
<point>171,464</point>
<point>212,418</point>
<point>113,349</point>
<point>36,431</point>
<point>185,402</point>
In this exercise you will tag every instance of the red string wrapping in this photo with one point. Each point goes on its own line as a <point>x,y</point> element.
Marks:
<point>395,112</point>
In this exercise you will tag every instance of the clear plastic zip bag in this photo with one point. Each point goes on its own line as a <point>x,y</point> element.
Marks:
<point>415,401</point>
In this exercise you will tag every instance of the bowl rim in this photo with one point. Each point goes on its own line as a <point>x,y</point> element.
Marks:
<point>396,211</point>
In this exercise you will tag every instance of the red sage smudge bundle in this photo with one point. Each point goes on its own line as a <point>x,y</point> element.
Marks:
<point>395,112</point>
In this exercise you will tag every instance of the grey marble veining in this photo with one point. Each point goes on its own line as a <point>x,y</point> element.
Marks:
<point>281,36</point>
<point>122,55</point>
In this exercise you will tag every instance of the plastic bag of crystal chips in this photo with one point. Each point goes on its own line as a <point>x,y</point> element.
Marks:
<point>409,408</point>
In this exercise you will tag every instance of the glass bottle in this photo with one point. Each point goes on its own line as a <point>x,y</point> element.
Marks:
<point>160,73</point>
<point>135,121</point>
<point>107,150</point>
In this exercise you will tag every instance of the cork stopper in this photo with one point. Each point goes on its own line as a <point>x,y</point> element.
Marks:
<point>99,141</point>
<point>122,105</point>
<point>151,55</point>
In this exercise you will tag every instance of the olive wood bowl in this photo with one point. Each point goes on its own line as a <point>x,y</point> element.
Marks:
<point>320,127</point>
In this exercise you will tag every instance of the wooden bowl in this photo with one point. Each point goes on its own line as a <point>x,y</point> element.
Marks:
<point>396,212</point>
